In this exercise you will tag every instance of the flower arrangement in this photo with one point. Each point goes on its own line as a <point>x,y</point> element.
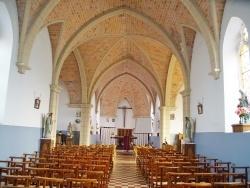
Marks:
<point>243,113</point>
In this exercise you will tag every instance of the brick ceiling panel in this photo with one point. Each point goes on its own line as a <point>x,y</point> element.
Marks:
<point>126,87</point>
<point>177,82</point>
<point>71,78</point>
<point>35,6</point>
<point>122,68</point>
<point>159,57</point>
<point>205,5</point>
<point>141,104</point>
<point>137,35</point>
<point>54,32</point>
<point>92,52</point>
<point>189,38</point>
<point>125,49</point>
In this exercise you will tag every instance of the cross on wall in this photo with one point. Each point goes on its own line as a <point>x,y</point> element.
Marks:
<point>124,108</point>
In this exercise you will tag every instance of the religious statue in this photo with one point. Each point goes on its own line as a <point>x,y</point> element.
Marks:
<point>189,130</point>
<point>243,99</point>
<point>70,130</point>
<point>48,126</point>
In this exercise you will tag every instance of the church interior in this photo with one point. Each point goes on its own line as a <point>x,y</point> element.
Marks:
<point>128,78</point>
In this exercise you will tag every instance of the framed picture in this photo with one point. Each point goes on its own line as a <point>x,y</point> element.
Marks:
<point>172,116</point>
<point>37,103</point>
<point>200,109</point>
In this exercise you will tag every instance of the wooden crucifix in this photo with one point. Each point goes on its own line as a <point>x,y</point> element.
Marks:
<point>124,108</point>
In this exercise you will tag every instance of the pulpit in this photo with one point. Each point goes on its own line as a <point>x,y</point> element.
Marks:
<point>69,141</point>
<point>58,139</point>
<point>188,149</point>
<point>46,146</point>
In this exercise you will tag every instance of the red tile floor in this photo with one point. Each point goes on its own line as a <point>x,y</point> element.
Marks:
<point>125,173</point>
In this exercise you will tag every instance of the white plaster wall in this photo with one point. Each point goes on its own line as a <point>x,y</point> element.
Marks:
<point>235,13</point>
<point>206,89</point>
<point>118,119</point>
<point>176,125</point>
<point>23,88</point>
<point>66,115</point>
<point>156,127</point>
<point>6,45</point>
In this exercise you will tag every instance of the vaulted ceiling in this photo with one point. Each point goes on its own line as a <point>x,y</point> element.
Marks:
<point>119,49</point>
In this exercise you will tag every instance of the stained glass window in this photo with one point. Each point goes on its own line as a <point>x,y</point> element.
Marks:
<point>244,61</point>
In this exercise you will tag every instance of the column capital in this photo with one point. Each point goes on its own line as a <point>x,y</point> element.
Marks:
<point>185,92</point>
<point>165,108</point>
<point>80,105</point>
<point>55,88</point>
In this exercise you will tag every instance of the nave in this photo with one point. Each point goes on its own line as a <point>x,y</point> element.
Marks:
<point>125,173</point>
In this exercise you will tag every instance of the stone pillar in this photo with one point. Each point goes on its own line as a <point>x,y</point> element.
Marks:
<point>164,124</point>
<point>85,124</point>
<point>186,108</point>
<point>53,107</point>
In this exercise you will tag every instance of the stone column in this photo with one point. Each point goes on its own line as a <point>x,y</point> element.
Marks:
<point>186,108</point>
<point>85,124</point>
<point>53,107</point>
<point>164,124</point>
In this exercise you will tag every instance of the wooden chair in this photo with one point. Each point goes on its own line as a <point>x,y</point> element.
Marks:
<point>51,182</point>
<point>6,170</point>
<point>83,183</point>
<point>229,184</point>
<point>35,172</point>
<point>202,184</point>
<point>16,180</point>
<point>161,179</point>
<point>98,175</point>
<point>242,175</point>
<point>175,179</point>
<point>205,177</point>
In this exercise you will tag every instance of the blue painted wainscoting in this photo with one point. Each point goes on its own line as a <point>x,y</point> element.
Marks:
<point>227,147</point>
<point>16,140</point>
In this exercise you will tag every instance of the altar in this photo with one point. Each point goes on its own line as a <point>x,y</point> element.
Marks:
<point>245,127</point>
<point>120,140</point>
<point>120,137</point>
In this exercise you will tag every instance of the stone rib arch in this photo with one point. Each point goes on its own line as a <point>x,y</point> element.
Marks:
<point>116,11</point>
<point>28,39</point>
<point>82,75</point>
<point>208,35</point>
<point>138,46</point>
<point>184,44</point>
<point>55,57</point>
<point>158,88</point>
<point>100,93</point>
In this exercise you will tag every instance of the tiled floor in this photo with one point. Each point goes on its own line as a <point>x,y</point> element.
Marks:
<point>125,173</point>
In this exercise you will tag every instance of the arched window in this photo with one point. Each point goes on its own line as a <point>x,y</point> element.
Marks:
<point>244,64</point>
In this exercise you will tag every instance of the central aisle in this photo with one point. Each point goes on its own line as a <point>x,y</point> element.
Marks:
<point>125,173</point>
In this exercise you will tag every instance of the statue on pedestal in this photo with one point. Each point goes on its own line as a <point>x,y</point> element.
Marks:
<point>189,130</point>
<point>48,126</point>
<point>70,130</point>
